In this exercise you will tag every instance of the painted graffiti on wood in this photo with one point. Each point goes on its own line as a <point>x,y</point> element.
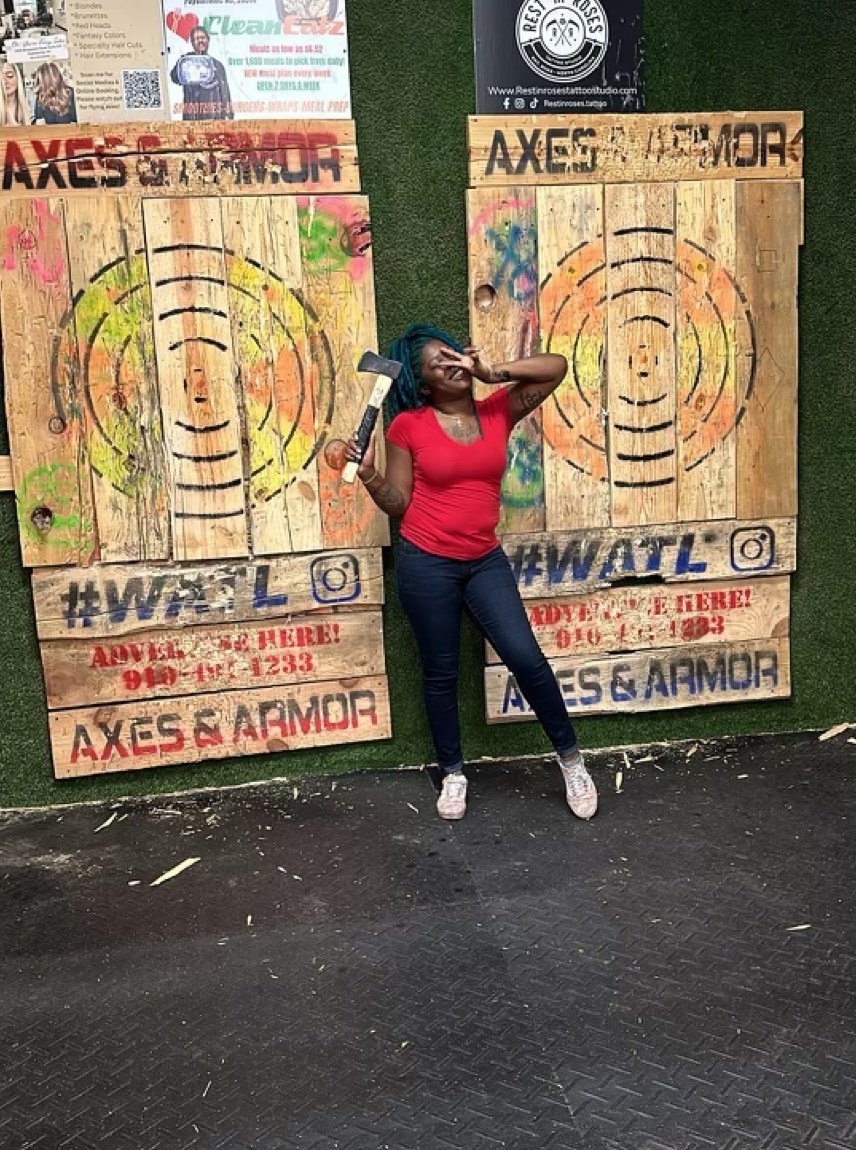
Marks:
<point>182,319</point>
<point>578,561</point>
<point>253,158</point>
<point>653,681</point>
<point>503,274</point>
<point>156,664</point>
<point>615,302</point>
<point>192,383</point>
<point>151,733</point>
<point>110,601</point>
<point>688,146</point>
<point>667,267</point>
<point>664,615</point>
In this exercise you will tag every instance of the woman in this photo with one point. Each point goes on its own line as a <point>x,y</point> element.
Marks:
<point>446,454</point>
<point>54,98</point>
<point>14,112</point>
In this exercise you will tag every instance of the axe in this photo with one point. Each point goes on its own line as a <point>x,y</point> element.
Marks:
<point>386,370</point>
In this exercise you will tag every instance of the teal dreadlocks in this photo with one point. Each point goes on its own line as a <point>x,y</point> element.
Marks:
<point>406,392</point>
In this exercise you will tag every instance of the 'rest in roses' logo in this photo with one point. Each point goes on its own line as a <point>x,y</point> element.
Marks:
<point>562,40</point>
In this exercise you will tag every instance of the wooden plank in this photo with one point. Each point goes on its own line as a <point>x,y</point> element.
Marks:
<point>338,284</point>
<point>572,306</point>
<point>256,254</point>
<point>113,324</point>
<point>274,352</point>
<point>768,236</point>
<point>709,312</point>
<point>43,403</point>
<point>7,483</point>
<point>636,618</point>
<point>296,388</point>
<point>640,388</point>
<point>632,148</point>
<point>575,562</point>
<point>159,664</point>
<point>110,601</point>
<point>193,344</point>
<point>254,157</point>
<point>738,672</point>
<point>156,733</point>
<point>502,247</point>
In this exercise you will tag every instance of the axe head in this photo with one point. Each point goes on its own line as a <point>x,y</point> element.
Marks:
<point>377,365</point>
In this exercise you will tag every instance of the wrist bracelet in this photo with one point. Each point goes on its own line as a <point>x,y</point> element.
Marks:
<point>371,478</point>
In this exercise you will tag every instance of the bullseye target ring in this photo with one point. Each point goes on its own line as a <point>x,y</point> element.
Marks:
<point>688,299</point>
<point>103,354</point>
<point>288,375</point>
<point>100,354</point>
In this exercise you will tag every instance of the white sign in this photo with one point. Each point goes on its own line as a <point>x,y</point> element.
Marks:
<point>32,48</point>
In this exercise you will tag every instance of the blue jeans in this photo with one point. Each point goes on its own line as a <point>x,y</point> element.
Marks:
<point>434,593</point>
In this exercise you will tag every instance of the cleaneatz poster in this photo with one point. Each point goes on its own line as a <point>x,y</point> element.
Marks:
<point>557,56</point>
<point>258,59</point>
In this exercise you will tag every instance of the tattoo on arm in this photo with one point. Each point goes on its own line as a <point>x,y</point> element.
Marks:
<point>503,376</point>
<point>530,399</point>
<point>389,499</point>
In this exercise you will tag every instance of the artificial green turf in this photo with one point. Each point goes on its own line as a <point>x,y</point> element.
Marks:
<point>411,65</point>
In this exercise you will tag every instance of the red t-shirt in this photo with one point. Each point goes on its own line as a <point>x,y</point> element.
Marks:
<point>454,509</point>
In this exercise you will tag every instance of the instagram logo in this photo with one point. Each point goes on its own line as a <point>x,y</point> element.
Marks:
<point>335,579</point>
<point>753,549</point>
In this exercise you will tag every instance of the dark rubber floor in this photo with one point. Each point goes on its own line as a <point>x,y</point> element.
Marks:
<point>342,969</point>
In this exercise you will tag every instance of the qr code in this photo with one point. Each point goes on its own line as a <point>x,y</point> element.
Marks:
<point>141,88</point>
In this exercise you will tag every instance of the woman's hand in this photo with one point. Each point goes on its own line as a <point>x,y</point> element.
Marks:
<point>470,361</point>
<point>366,461</point>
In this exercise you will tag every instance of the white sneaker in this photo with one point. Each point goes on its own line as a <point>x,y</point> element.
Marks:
<point>580,790</point>
<point>452,803</point>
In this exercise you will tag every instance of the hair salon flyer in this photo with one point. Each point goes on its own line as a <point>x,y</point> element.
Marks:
<point>94,61</point>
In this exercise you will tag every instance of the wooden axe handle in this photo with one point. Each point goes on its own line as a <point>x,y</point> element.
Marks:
<point>367,424</point>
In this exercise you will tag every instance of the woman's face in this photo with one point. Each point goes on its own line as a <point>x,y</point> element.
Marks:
<point>10,80</point>
<point>443,380</point>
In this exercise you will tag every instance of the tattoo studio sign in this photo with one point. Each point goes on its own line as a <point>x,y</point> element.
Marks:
<point>558,55</point>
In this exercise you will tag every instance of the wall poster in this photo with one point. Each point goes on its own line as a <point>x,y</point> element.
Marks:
<point>243,59</point>
<point>112,61</point>
<point>86,61</point>
<point>547,56</point>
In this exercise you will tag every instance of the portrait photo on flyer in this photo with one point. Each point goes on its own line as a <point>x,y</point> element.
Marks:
<point>35,68</point>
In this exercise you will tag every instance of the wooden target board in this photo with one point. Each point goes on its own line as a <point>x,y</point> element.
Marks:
<point>659,255</point>
<point>182,317</point>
